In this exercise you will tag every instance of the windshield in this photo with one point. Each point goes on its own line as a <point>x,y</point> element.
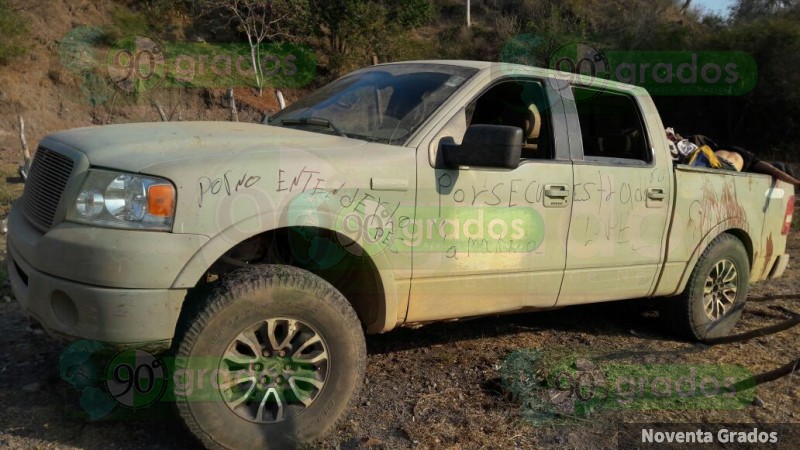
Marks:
<point>382,104</point>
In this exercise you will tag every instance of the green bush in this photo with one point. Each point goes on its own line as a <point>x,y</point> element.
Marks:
<point>127,22</point>
<point>413,13</point>
<point>13,31</point>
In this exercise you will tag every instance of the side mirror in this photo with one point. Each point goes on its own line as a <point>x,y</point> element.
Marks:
<point>494,146</point>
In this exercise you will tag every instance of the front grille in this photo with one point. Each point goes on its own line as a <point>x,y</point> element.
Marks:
<point>48,177</point>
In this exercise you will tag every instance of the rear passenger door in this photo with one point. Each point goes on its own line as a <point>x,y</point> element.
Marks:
<point>621,197</point>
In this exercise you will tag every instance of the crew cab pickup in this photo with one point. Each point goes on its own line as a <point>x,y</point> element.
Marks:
<point>399,194</point>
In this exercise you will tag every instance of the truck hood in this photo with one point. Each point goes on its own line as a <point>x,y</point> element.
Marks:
<point>135,147</point>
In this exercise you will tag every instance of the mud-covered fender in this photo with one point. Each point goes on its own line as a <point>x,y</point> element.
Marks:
<point>738,227</point>
<point>228,238</point>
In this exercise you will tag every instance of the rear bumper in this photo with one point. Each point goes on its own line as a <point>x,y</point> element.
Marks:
<point>119,317</point>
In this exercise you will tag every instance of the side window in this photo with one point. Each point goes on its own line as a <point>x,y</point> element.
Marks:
<point>611,127</point>
<point>520,104</point>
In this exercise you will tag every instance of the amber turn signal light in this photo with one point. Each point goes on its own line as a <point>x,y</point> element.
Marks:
<point>161,200</point>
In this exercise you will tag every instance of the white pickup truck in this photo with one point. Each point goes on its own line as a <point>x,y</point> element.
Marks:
<point>399,194</point>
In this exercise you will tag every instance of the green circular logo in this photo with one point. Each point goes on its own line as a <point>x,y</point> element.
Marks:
<point>136,64</point>
<point>368,227</point>
<point>136,378</point>
<point>582,63</point>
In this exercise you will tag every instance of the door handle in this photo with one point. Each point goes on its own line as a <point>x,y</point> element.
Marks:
<point>554,191</point>
<point>556,196</point>
<point>656,194</point>
<point>389,184</point>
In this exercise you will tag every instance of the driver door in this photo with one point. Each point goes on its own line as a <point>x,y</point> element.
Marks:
<point>488,240</point>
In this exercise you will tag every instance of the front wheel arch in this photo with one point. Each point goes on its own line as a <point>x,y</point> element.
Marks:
<point>374,295</point>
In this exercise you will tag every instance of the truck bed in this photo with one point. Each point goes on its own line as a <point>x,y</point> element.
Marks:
<point>709,202</point>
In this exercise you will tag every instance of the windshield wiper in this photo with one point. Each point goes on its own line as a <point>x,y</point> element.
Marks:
<point>318,121</point>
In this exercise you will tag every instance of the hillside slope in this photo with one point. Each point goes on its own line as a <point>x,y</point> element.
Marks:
<point>61,80</point>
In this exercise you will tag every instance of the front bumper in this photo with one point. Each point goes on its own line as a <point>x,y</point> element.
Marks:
<point>69,310</point>
<point>112,286</point>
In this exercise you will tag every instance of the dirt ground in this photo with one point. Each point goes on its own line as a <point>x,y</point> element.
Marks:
<point>440,386</point>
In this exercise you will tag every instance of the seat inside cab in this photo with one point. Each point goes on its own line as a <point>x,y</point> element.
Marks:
<point>520,104</point>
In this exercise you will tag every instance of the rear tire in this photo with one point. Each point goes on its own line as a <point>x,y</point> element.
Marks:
<point>715,296</point>
<point>281,356</point>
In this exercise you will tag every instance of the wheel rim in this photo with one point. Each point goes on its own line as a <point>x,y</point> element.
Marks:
<point>720,290</point>
<point>273,370</point>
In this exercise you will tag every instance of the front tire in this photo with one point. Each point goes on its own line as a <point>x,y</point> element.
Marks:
<point>272,359</point>
<point>715,296</point>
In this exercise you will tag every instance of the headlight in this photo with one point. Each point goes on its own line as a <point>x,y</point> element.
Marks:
<point>124,200</point>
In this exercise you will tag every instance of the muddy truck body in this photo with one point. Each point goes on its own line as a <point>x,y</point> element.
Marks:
<point>400,194</point>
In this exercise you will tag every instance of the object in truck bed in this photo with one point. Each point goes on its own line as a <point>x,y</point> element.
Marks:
<point>699,150</point>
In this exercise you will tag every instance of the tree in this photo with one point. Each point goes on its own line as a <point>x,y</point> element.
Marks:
<point>260,21</point>
<point>746,10</point>
<point>352,30</point>
<point>411,13</point>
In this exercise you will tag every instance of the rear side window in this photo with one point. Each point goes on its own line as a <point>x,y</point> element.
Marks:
<point>611,127</point>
